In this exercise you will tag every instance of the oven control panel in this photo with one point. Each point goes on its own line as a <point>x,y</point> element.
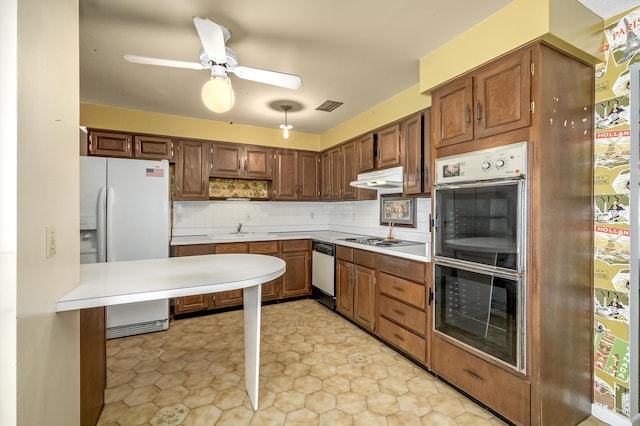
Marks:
<point>494,163</point>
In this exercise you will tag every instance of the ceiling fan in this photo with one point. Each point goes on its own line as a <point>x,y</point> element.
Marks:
<point>217,93</point>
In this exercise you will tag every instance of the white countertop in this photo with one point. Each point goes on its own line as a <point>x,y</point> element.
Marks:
<point>104,284</point>
<point>415,252</point>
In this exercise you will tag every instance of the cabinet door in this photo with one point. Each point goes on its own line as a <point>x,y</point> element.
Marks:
<point>257,162</point>
<point>309,173</point>
<point>226,160</point>
<point>334,176</point>
<point>198,302</point>
<point>344,288</point>
<point>426,152</point>
<point>270,290</point>
<point>192,171</point>
<point>388,147</point>
<point>349,172</point>
<point>296,281</point>
<point>503,95</point>
<point>153,148</point>
<point>451,112</point>
<point>285,181</point>
<point>108,144</point>
<point>412,143</point>
<point>365,153</point>
<point>364,297</point>
<point>225,299</point>
<point>325,161</point>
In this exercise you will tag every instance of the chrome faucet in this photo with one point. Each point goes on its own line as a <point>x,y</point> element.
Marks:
<point>239,228</point>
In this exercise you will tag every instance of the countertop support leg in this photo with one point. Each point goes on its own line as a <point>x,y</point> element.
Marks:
<point>252,315</point>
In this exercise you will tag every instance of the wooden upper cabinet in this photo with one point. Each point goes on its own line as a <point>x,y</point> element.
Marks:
<point>366,153</point>
<point>110,144</point>
<point>349,153</point>
<point>412,141</point>
<point>309,169</point>
<point>285,182</point>
<point>325,175</point>
<point>388,147</point>
<point>426,152</point>
<point>503,95</point>
<point>492,100</point>
<point>192,170</point>
<point>451,109</point>
<point>331,174</point>
<point>125,145</point>
<point>152,147</point>
<point>240,161</point>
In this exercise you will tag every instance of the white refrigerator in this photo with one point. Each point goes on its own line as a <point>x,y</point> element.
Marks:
<point>124,215</point>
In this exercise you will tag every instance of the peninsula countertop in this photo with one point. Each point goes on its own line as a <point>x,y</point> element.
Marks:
<point>105,284</point>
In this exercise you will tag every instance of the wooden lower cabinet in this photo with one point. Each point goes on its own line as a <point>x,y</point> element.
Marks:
<point>269,248</point>
<point>294,283</point>
<point>402,305</point>
<point>505,393</point>
<point>356,285</point>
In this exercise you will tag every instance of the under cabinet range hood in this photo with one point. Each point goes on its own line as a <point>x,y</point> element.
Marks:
<point>380,179</point>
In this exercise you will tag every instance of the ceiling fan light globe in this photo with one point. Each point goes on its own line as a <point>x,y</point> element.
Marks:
<point>217,94</point>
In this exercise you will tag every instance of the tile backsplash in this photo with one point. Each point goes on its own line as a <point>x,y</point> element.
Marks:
<point>362,217</point>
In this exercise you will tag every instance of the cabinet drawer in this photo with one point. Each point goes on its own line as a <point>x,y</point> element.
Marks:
<point>263,247</point>
<point>295,245</point>
<point>414,271</point>
<point>403,338</point>
<point>506,393</point>
<point>407,291</point>
<point>364,258</point>
<point>411,318</point>
<point>231,248</point>
<point>344,253</point>
<point>192,250</point>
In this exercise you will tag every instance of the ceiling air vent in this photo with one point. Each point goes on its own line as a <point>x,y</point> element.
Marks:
<point>329,106</point>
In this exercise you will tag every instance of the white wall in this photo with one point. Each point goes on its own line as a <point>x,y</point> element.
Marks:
<point>201,217</point>
<point>8,219</point>
<point>47,348</point>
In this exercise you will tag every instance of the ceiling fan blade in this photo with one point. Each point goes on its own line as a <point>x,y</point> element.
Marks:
<point>162,62</point>
<point>212,38</point>
<point>288,81</point>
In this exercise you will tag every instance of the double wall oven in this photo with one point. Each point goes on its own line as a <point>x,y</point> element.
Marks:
<point>479,251</point>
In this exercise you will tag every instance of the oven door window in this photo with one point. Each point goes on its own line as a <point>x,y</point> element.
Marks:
<point>482,311</point>
<point>480,224</point>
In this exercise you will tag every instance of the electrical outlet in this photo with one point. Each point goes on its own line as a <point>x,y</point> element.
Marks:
<point>312,215</point>
<point>51,241</point>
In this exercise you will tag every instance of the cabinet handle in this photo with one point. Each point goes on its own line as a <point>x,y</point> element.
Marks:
<point>399,337</point>
<point>239,163</point>
<point>399,312</point>
<point>245,165</point>
<point>397,288</point>
<point>473,375</point>
<point>478,111</point>
<point>467,118</point>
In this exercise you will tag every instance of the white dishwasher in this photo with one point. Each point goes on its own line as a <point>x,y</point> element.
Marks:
<point>323,271</point>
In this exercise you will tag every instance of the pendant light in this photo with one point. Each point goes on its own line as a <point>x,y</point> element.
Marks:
<point>286,126</point>
<point>217,93</point>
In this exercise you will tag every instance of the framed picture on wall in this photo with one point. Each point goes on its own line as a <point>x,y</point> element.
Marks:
<point>399,210</point>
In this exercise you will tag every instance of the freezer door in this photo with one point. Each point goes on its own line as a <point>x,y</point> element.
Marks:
<point>93,185</point>
<point>137,209</point>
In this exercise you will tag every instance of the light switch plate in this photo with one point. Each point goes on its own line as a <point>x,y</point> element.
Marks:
<point>51,241</point>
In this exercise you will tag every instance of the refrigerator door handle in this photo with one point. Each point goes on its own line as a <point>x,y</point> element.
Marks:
<point>109,233</point>
<point>101,225</point>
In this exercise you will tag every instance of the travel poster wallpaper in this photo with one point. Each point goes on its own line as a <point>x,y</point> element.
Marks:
<point>611,213</point>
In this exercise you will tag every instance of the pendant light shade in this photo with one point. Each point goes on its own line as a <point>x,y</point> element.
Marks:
<point>217,94</point>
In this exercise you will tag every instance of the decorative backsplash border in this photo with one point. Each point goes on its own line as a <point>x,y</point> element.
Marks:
<point>238,188</point>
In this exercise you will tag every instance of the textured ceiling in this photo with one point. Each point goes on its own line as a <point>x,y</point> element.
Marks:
<point>359,52</point>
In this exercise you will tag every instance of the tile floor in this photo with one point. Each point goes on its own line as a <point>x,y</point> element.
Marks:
<point>316,369</point>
